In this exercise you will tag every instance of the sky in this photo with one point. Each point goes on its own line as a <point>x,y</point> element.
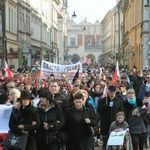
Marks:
<point>90,9</point>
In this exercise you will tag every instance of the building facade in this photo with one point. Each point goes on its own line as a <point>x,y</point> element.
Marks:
<point>84,40</point>
<point>11,32</point>
<point>1,33</point>
<point>31,31</point>
<point>133,12</point>
<point>109,26</point>
<point>62,32</point>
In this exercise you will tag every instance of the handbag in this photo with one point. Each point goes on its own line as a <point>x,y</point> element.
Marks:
<point>62,136</point>
<point>16,141</point>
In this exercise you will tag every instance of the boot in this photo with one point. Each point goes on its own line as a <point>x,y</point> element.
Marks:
<point>147,143</point>
<point>105,138</point>
<point>135,146</point>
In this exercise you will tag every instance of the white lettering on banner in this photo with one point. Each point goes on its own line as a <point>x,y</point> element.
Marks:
<point>48,68</point>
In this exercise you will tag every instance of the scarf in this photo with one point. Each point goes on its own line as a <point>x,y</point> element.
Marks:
<point>132,101</point>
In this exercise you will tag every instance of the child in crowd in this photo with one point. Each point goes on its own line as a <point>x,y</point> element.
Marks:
<point>119,124</point>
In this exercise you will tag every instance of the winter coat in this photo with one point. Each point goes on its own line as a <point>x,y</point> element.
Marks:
<point>137,82</point>
<point>95,96</point>
<point>25,116</point>
<point>107,113</point>
<point>91,101</point>
<point>61,100</point>
<point>143,89</point>
<point>80,133</point>
<point>115,125</point>
<point>55,119</point>
<point>136,124</point>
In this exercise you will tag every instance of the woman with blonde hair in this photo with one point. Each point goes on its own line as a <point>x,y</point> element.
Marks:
<point>134,112</point>
<point>25,119</point>
<point>13,96</point>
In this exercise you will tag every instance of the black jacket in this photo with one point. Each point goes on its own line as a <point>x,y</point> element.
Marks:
<point>80,133</point>
<point>137,82</point>
<point>25,116</point>
<point>55,119</point>
<point>107,113</point>
<point>136,124</point>
<point>61,100</point>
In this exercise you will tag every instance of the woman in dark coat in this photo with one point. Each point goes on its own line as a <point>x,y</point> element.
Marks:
<point>134,116</point>
<point>79,120</point>
<point>51,120</point>
<point>25,119</point>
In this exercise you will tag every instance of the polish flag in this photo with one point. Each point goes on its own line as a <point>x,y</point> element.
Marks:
<point>87,60</point>
<point>104,91</point>
<point>8,73</point>
<point>143,107</point>
<point>116,74</point>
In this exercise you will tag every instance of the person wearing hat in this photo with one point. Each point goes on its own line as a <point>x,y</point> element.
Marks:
<point>108,107</point>
<point>51,120</point>
<point>25,119</point>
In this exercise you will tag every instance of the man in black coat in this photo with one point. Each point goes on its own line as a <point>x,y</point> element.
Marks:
<point>137,82</point>
<point>108,107</point>
<point>58,97</point>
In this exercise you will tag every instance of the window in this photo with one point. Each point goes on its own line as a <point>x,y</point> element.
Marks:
<point>9,18</point>
<point>72,41</point>
<point>15,23</point>
<point>20,22</point>
<point>26,24</point>
<point>0,24</point>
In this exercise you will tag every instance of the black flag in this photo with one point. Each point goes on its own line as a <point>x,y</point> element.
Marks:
<point>76,76</point>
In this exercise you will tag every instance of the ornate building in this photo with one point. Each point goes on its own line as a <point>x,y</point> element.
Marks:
<point>84,40</point>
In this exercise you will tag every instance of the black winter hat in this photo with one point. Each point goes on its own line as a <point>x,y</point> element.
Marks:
<point>26,95</point>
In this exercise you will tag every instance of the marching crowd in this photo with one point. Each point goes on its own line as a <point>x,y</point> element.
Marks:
<point>75,115</point>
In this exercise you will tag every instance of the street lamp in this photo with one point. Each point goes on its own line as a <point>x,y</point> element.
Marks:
<point>147,7</point>
<point>74,15</point>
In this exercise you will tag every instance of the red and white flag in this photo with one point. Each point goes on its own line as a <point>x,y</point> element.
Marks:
<point>104,91</point>
<point>143,107</point>
<point>8,73</point>
<point>116,74</point>
<point>87,60</point>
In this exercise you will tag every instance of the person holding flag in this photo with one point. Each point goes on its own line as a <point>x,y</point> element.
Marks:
<point>108,106</point>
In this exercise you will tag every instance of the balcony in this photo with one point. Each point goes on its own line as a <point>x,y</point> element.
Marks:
<point>93,48</point>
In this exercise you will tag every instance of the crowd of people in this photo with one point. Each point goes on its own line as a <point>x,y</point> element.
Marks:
<point>86,109</point>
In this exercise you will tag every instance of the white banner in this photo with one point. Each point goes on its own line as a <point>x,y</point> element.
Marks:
<point>48,68</point>
<point>5,112</point>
